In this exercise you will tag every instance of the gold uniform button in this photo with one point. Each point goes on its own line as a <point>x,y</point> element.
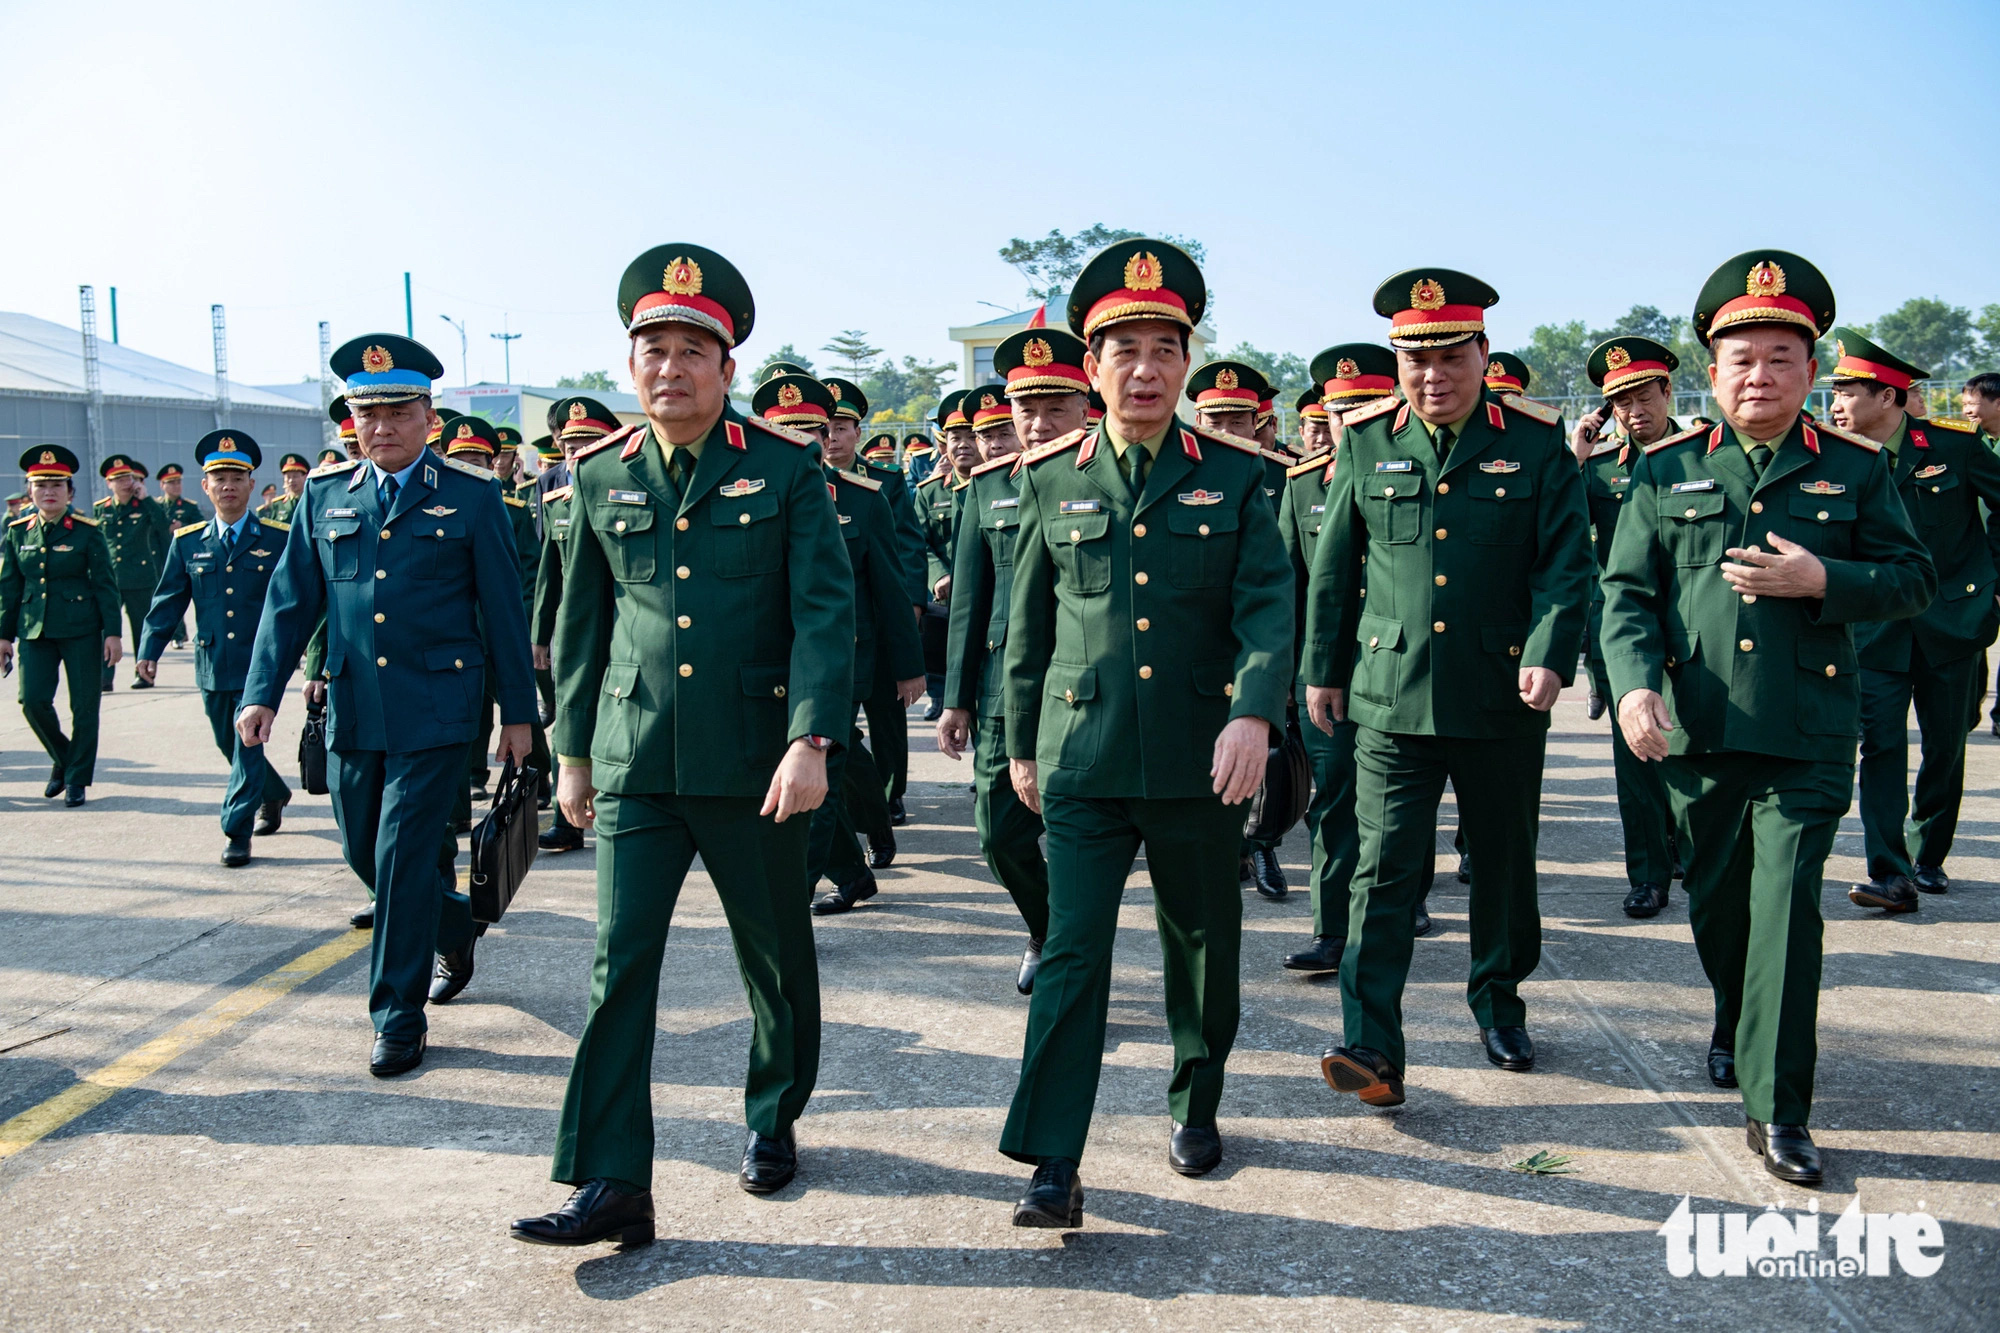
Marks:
<point>1822,516</point>
<point>1756,506</point>
<point>777,691</point>
<point>381,573</point>
<point>1437,626</point>
<point>1745,644</point>
<point>1440,534</point>
<point>379,617</point>
<point>1829,669</point>
<point>1140,577</point>
<point>1439,580</point>
<point>619,526</point>
<point>1138,529</point>
<point>1145,673</point>
<point>381,661</point>
<point>1144,625</point>
<point>680,525</point>
<point>686,670</point>
<point>684,621</point>
<point>682,572</point>
<point>1444,488</point>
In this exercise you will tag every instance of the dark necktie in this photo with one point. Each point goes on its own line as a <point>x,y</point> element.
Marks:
<point>1760,458</point>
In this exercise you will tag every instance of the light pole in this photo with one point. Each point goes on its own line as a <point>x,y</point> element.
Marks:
<point>460,326</point>
<point>506,342</point>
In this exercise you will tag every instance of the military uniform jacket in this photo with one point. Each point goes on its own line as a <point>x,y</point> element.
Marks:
<point>404,596</point>
<point>702,631</point>
<point>885,632</point>
<point>1767,675</point>
<point>227,589</point>
<point>982,582</point>
<point>1434,584</point>
<point>57,580</point>
<point>1301,515</point>
<point>549,572</point>
<point>180,513</point>
<point>937,515</point>
<point>1137,631</point>
<point>138,534</point>
<point>1941,474</point>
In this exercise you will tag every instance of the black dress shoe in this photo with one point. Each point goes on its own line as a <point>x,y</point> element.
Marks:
<point>1893,895</point>
<point>1464,871</point>
<point>1322,955</point>
<point>237,853</point>
<point>1193,1150</point>
<point>1267,874</point>
<point>1365,1073</point>
<point>395,1055</point>
<point>453,971</point>
<point>768,1164</point>
<point>898,816</point>
<point>363,919</point>
<point>1646,900</point>
<point>1788,1151</point>
<point>1054,1198</point>
<point>842,897</point>
<point>881,851</point>
<point>561,840</point>
<point>1931,879</point>
<point>73,796</point>
<point>141,683</point>
<point>270,816</point>
<point>56,784</point>
<point>1509,1048</point>
<point>1031,963</point>
<point>1420,923</point>
<point>599,1211</point>
<point>1596,708</point>
<point>1721,1060</point>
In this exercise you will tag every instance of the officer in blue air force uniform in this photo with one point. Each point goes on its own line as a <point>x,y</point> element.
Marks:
<point>223,565</point>
<point>404,554</point>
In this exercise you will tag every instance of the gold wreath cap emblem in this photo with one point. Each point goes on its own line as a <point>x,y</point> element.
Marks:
<point>578,412</point>
<point>1766,279</point>
<point>987,402</point>
<point>1037,353</point>
<point>1427,294</point>
<point>1346,370</point>
<point>1142,272</point>
<point>1225,379</point>
<point>376,360</point>
<point>1617,359</point>
<point>789,395</point>
<point>682,278</point>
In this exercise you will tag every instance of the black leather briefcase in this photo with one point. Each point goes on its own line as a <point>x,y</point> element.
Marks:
<point>1280,803</point>
<point>312,751</point>
<point>503,843</point>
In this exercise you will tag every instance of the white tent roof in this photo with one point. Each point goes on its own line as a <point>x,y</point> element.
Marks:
<point>38,356</point>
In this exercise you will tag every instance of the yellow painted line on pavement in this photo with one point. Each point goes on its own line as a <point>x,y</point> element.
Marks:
<point>38,1122</point>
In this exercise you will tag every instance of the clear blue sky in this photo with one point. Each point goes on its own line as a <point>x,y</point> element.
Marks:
<point>291,161</point>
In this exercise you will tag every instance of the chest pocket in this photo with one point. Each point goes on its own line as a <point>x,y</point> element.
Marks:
<point>749,539</point>
<point>1503,509</point>
<point>339,542</point>
<point>1694,527</point>
<point>1933,500</point>
<point>441,546</point>
<point>1823,524</point>
<point>1204,545</point>
<point>626,532</point>
<point>1392,504</point>
<point>1081,545</point>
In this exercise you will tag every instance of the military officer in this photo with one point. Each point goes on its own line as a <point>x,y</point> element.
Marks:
<point>1148,659</point>
<point>1636,378</point>
<point>1446,610</point>
<point>343,421</point>
<point>1347,378</point>
<point>135,528</point>
<point>1045,386</point>
<point>704,666</point>
<point>1745,554</point>
<point>292,470</point>
<point>1942,473</point>
<point>223,566</point>
<point>180,511</point>
<point>410,559</point>
<point>59,597</point>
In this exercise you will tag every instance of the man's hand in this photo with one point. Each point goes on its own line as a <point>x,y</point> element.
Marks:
<point>909,691</point>
<point>253,724</point>
<point>1241,753</point>
<point>314,692</point>
<point>146,670</point>
<point>1642,716</point>
<point>1022,774</point>
<point>114,648</point>
<point>516,742</point>
<point>1792,572</point>
<point>1539,688</point>
<point>954,731</point>
<point>799,784</point>
<point>575,795</point>
<point>1326,706</point>
<point>1584,438</point>
<point>540,652</point>
<point>6,656</point>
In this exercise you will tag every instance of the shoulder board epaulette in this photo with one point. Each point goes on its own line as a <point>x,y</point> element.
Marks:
<point>1055,446</point>
<point>1966,424</point>
<point>1005,460</point>
<point>1305,465</point>
<point>271,523</point>
<point>470,471</point>
<point>618,436</point>
<point>558,493</point>
<point>192,527</point>
<point>1687,434</point>
<point>785,433</point>
<point>866,483</point>
<point>334,469</point>
<point>1385,404</point>
<point>518,504</point>
<point>1828,428</point>
<point>1528,407</point>
<point>84,518</point>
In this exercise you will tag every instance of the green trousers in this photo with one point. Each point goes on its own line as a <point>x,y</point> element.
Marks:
<point>1642,795</point>
<point>888,737</point>
<point>1947,696</point>
<point>79,659</point>
<point>1336,841</point>
<point>1759,830</point>
<point>1010,834</point>
<point>252,781</point>
<point>1398,782</point>
<point>1191,854</point>
<point>645,845</point>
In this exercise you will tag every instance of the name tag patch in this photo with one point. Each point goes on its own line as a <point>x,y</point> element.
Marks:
<point>1395,465</point>
<point>1200,497</point>
<point>1684,487</point>
<point>1822,488</point>
<point>626,497</point>
<point>1500,467</point>
<point>1014,503</point>
<point>1077,507</point>
<point>740,487</point>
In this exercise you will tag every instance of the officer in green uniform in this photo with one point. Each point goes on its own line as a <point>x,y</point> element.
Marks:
<point>1636,377</point>
<point>1346,378</point>
<point>1045,386</point>
<point>1744,556</point>
<point>59,597</point>
<point>135,528</point>
<point>1446,609</point>
<point>410,560</point>
<point>223,566</point>
<point>1942,473</point>
<point>1148,658</point>
<point>704,666</point>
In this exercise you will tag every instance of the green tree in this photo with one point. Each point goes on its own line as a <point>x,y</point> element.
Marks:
<point>1049,263</point>
<point>852,356</point>
<point>590,380</point>
<point>1929,333</point>
<point>785,353</point>
<point>1286,370</point>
